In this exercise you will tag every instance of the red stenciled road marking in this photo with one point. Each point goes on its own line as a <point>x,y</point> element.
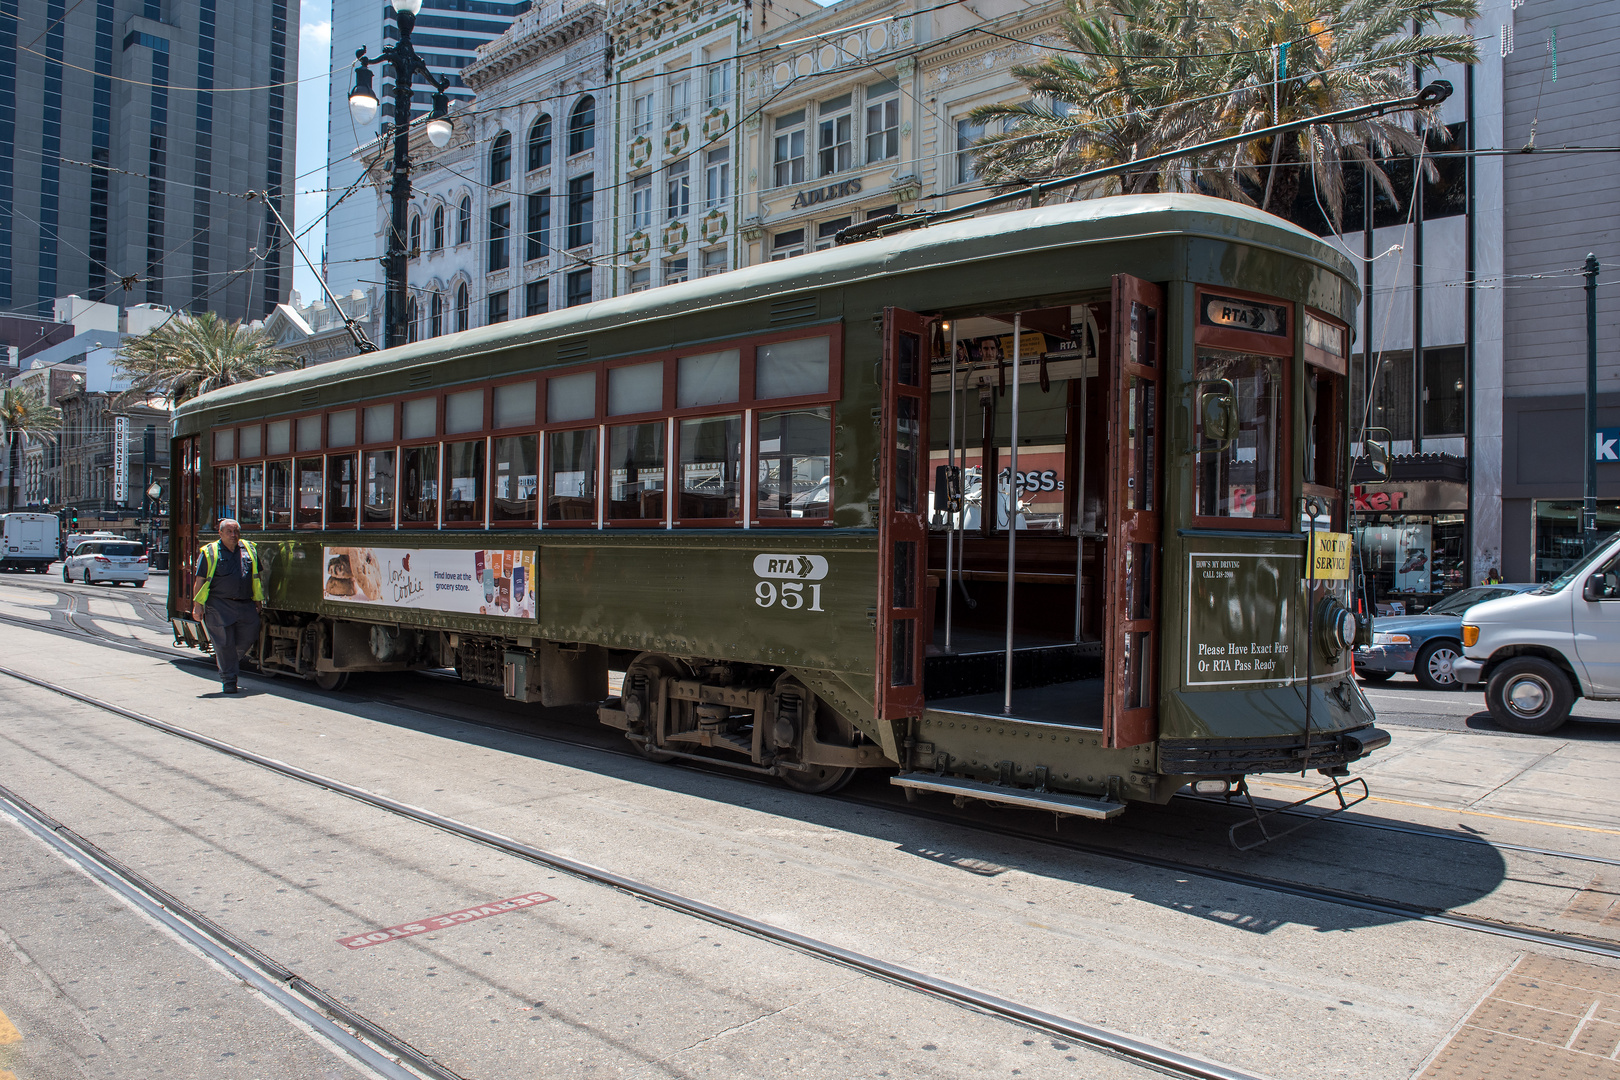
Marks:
<point>440,922</point>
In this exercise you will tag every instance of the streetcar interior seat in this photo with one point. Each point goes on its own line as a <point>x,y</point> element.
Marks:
<point>1058,554</point>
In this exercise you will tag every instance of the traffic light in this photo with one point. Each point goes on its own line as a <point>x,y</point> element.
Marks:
<point>73,519</point>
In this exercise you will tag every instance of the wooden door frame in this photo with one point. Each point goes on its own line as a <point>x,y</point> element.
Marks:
<point>1138,356</point>
<point>892,701</point>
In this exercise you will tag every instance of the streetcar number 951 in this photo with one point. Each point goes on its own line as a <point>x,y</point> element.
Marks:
<point>792,595</point>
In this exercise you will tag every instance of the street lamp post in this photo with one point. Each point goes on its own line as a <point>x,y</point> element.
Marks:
<point>1589,535</point>
<point>363,105</point>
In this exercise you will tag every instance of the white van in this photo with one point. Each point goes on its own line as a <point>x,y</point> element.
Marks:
<point>1538,651</point>
<point>29,541</point>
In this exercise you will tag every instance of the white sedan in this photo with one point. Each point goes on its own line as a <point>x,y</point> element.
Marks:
<point>107,560</point>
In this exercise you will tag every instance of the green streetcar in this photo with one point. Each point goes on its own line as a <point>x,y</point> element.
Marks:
<point>1043,508</point>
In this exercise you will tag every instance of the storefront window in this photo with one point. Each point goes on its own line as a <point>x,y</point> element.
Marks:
<point>1560,544</point>
<point>1411,540</point>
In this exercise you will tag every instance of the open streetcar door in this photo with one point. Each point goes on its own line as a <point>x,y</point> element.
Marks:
<point>1135,516</point>
<point>902,630</point>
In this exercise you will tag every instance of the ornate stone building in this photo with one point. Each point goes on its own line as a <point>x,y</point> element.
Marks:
<point>846,126</point>
<point>676,139</point>
<point>508,219</point>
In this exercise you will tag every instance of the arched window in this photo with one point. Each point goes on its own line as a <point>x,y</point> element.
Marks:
<point>438,228</point>
<point>461,306</point>
<point>416,235</point>
<point>582,126</point>
<point>436,314</point>
<point>410,320</point>
<point>464,221</point>
<point>500,159</point>
<point>540,143</point>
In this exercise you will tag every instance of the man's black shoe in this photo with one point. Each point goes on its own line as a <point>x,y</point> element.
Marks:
<point>229,688</point>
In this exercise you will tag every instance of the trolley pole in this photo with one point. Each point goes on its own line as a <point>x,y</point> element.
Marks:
<point>1589,507</point>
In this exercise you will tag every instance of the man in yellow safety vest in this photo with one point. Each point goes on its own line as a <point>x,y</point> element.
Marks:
<point>228,596</point>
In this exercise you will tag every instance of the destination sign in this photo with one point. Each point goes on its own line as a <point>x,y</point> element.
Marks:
<point>1250,315</point>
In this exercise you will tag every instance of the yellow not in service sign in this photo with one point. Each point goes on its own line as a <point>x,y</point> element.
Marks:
<point>1330,556</point>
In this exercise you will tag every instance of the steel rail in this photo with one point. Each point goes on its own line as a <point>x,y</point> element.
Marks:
<point>1119,1044</point>
<point>327,1017</point>
<point>1379,905</point>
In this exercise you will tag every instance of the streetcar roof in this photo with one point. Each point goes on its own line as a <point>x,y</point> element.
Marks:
<point>965,240</point>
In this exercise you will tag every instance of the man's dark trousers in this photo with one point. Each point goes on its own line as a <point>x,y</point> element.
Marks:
<point>233,627</point>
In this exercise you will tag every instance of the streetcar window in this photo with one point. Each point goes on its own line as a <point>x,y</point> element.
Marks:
<point>464,412</point>
<point>278,438</point>
<point>309,433</point>
<point>793,463</point>
<point>571,475</point>
<point>420,419</point>
<point>225,445</point>
<point>225,492</point>
<point>277,494</point>
<point>787,369</point>
<point>515,479</point>
<point>711,468</point>
<point>310,483</point>
<point>571,397</point>
<point>379,483</point>
<point>252,493</point>
<point>464,480</point>
<point>1243,478</point>
<point>514,405</point>
<point>249,441</point>
<point>379,423</point>
<point>636,471</point>
<point>707,379</point>
<point>419,483</point>
<point>340,428</point>
<point>342,490</point>
<point>638,388</point>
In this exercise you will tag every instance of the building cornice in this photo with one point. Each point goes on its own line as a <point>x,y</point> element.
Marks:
<point>533,35</point>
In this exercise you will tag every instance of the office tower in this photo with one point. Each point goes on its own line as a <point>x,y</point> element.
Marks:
<point>129,131</point>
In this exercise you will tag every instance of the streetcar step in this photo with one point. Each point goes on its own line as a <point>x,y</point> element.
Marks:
<point>1078,805</point>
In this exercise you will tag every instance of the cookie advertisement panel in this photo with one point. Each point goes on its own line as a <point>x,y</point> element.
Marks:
<point>488,582</point>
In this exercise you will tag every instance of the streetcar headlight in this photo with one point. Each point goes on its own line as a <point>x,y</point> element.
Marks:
<point>1470,635</point>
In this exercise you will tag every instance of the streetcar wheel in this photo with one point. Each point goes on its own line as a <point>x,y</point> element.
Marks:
<point>1529,695</point>
<point>1433,668</point>
<point>818,779</point>
<point>331,681</point>
<point>1374,676</point>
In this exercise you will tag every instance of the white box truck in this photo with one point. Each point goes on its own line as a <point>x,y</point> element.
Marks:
<point>29,541</point>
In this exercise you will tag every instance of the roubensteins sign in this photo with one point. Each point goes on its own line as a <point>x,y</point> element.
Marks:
<point>121,460</point>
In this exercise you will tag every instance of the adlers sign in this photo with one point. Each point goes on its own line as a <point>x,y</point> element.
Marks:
<point>826,194</point>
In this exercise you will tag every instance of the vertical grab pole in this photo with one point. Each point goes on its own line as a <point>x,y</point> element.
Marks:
<point>1012,509</point>
<point>1310,623</point>
<point>950,521</point>
<point>1080,500</point>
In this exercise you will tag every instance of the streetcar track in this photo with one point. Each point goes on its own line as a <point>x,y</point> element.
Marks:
<point>1126,1047</point>
<point>348,1031</point>
<point>1360,901</point>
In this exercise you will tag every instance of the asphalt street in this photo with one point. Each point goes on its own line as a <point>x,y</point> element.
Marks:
<point>1402,701</point>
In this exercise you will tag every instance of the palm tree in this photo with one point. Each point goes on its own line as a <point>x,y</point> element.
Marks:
<point>193,354</point>
<point>1339,55</point>
<point>1141,77</point>
<point>1127,85</point>
<point>24,415</point>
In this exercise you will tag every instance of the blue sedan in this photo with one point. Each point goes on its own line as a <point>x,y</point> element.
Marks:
<point>1425,645</point>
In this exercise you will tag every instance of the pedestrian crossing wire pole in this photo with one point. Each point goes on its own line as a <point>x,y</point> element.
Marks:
<point>1589,508</point>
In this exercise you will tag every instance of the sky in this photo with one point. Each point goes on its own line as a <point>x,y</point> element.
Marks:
<point>314,64</point>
